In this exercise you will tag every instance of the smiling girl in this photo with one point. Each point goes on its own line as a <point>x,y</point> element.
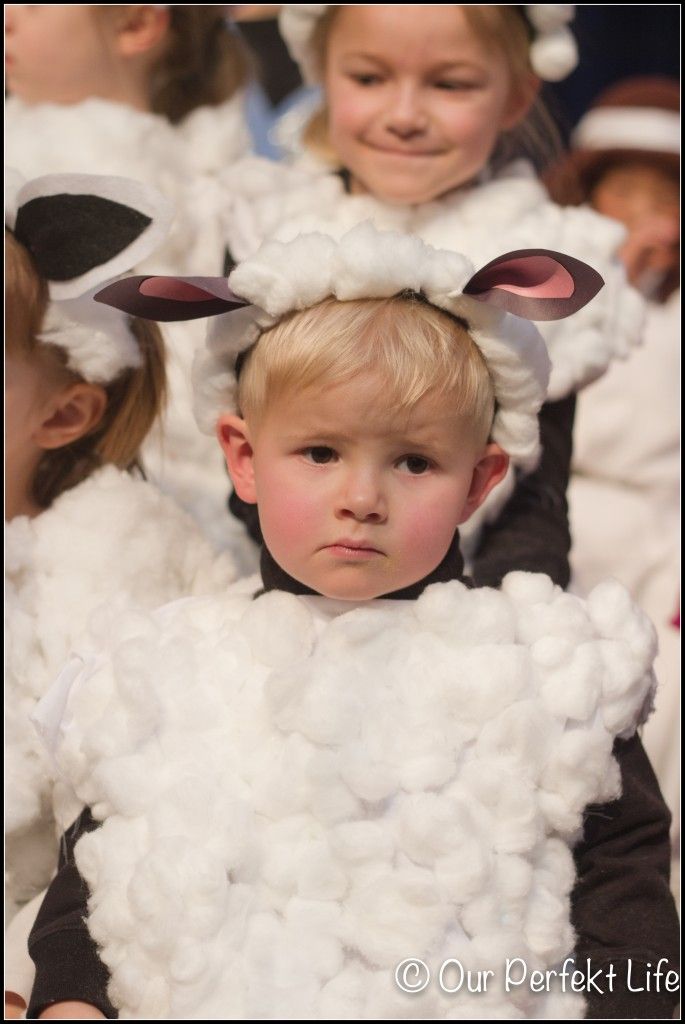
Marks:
<point>425,109</point>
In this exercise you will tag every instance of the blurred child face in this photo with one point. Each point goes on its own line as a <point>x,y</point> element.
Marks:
<point>416,101</point>
<point>27,391</point>
<point>58,54</point>
<point>355,501</point>
<point>645,198</point>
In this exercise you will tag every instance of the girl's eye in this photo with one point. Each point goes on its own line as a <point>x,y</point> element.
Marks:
<point>365,79</point>
<point>452,86</point>
<point>319,454</point>
<point>415,464</point>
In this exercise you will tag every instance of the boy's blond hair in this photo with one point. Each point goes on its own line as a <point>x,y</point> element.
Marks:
<point>415,348</point>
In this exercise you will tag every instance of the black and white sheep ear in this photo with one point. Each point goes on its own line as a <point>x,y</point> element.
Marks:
<point>536,284</point>
<point>169,299</point>
<point>85,229</point>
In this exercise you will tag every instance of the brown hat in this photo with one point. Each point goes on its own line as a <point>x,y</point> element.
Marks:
<point>637,118</point>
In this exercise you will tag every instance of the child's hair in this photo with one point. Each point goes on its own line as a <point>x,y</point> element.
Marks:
<point>499,26</point>
<point>415,348</point>
<point>204,64</point>
<point>134,399</point>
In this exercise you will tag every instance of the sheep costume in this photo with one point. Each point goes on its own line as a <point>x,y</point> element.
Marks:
<point>102,137</point>
<point>112,536</point>
<point>505,209</point>
<point>286,815</point>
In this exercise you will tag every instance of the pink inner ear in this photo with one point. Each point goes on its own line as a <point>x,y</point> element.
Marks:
<point>536,277</point>
<point>171,288</point>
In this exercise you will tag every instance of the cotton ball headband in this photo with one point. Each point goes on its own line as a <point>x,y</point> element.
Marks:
<point>496,302</point>
<point>553,50</point>
<point>83,230</point>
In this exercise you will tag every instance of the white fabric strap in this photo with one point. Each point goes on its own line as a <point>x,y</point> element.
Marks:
<point>648,128</point>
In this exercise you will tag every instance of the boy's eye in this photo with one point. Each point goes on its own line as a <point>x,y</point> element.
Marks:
<point>320,454</point>
<point>415,464</point>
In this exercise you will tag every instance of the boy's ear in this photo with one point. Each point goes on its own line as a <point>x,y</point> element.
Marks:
<point>235,441</point>
<point>141,28</point>
<point>71,414</point>
<point>521,99</point>
<point>490,469</point>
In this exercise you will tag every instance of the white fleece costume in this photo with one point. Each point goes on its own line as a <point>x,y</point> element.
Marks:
<point>296,796</point>
<point>504,212</point>
<point>110,537</point>
<point>101,137</point>
<point>624,503</point>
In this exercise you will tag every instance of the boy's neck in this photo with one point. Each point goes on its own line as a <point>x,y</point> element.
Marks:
<point>451,568</point>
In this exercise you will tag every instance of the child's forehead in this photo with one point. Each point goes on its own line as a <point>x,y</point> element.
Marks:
<point>362,406</point>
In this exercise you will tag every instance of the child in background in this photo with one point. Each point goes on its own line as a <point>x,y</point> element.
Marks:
<point>152,92</point>
<point>83,527</point>
<point>427,108</point>
<point>358,755</point>
<point>625,488</point>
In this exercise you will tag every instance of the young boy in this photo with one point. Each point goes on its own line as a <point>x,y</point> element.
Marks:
<point>327,781</point>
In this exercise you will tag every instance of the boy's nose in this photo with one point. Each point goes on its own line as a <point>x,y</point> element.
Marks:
<point>362,499</point>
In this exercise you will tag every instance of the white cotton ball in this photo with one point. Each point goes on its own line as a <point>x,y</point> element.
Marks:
<point>395,912</point>
<point>440,605</point>
<point>342,997</point>
<point>369,780</point>
<point>319,876</point>
<point>359,841</point>
<point>481,914</point>
<point>521,734</point>
<point>547,927</point>
<point>525,588</point>
<point>486,680</point>
<point>513,877</point>
<point>465,869</point>
<point>549,652</point>
<point>572,689</point>
<point>565,616</point>
<point>280,629</point>
<point>544,17</point>
<point>554,55</point>
<point>616,617</point>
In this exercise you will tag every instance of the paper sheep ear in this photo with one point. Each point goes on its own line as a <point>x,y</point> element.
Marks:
<point>169,299</point>
<point>537,284</point>
<point>85,229</point>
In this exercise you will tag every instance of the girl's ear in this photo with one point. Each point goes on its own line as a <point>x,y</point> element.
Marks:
<point>234,439</point>
<point>70,414</point>
<point>141,28</point>
<point>521,99</point>
<point>490,469</point>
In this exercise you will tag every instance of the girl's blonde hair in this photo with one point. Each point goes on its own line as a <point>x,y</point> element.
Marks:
<point>203,64</point>
<point>414,348</point>
<point>134,399</point>
<point>497,25</point>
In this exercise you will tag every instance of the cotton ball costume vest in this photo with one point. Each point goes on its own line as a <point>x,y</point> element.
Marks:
<point>111,537</point>
<point>294,802</point>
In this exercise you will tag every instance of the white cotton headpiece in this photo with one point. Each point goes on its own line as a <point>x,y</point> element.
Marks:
<point>553,50</point>
<point>83,230</point>
<point>366,263</point>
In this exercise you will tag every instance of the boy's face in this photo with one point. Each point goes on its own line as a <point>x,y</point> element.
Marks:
<point>416,100</point>
<point>354,501</point>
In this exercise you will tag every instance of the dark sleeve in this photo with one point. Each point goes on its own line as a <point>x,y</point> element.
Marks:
<point>622,907</point>
<point>532,534</point>
<point>67,963</point>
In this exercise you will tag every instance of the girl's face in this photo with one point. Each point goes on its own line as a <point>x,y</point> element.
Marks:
<point>416,101</point>
<point>56,54</point>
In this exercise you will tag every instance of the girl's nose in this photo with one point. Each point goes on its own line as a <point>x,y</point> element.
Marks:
<point>406,115</point>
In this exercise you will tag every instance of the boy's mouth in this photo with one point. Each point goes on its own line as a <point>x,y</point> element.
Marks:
<point>352,549</point>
